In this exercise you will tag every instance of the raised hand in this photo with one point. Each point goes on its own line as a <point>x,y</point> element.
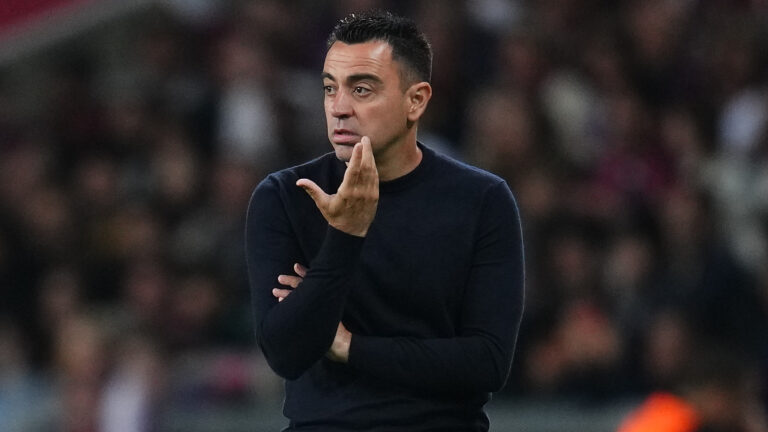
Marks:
<point>352,208</point>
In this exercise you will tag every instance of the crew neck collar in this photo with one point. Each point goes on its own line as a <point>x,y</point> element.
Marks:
<point>427,158</point>
<point>402,182</point>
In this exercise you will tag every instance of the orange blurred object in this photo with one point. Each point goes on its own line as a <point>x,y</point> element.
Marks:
<point>661,412</point>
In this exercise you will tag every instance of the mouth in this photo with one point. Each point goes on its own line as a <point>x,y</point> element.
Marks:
<point>345,137</point>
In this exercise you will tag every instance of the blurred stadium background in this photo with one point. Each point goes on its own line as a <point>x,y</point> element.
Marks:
<point>634,134</point>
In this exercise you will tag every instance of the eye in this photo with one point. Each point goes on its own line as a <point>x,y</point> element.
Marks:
<point>361,91</point>
<point>329,90</point>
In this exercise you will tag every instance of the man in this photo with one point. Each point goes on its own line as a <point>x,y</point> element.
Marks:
<point>392,303</point>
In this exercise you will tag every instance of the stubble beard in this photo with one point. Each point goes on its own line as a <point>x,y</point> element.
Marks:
<point>343,152</point>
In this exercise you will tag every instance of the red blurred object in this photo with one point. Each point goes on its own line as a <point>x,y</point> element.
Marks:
<point>16,13</point>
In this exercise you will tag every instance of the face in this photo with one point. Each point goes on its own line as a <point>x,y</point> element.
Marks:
<point>364,97</point>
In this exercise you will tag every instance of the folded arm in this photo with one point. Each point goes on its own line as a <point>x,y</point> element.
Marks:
<point>480,356</point>
<point>295,333</point>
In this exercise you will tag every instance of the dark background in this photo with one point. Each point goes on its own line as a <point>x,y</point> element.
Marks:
<point>633,134</point>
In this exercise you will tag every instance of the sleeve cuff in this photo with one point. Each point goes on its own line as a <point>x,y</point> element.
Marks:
<point>338,249</point>
<point>360,354</point>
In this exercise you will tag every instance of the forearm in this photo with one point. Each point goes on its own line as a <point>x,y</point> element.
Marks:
<point>295,333</point>
<point>457,365</point>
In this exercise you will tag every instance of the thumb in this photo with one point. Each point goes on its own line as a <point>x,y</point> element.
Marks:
<point>313,190</point>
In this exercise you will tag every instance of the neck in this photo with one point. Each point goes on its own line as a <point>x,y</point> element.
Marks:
<point>397,161</point>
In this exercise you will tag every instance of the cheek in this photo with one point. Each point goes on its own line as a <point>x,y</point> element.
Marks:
<point>394,112</point>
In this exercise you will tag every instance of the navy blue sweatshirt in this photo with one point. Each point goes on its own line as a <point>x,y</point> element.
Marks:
<point>433,296</point>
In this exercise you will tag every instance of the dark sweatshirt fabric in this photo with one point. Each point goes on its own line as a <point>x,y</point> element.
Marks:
<point>433,296</point>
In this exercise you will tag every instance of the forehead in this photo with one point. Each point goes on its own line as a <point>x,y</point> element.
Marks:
<point>351,59</point>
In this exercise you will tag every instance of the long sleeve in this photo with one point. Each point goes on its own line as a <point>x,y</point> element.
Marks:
<point>480,356</point>
<point>297,332</point>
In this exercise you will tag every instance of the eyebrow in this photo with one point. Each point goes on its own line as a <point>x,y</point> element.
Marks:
<point>355,77</point>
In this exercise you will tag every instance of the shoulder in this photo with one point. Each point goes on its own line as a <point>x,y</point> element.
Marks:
<point>279,188</point>
<point>284,180</point>
<point>311,169</point>
<point>458,172</point>
<point>472,186</point>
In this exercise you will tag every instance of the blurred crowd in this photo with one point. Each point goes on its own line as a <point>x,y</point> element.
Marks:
<point>634,135</point>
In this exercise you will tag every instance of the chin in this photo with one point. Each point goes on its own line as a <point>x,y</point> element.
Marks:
<point>343,153</point>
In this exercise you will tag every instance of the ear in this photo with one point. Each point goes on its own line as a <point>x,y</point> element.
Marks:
<point>417,97</point>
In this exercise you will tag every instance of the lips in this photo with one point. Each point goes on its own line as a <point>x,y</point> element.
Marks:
<point>345,137</point>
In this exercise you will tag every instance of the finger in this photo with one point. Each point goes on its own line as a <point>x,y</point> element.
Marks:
<point>352,174</point>
<point>313,190</point>
<point>291,281</point>
<point>280,293</point>
<point>369,173</point>
<point>357,156</point>
<point>300,270</point>
<point>367,152</point>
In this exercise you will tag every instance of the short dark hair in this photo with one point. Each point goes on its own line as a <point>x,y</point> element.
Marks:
<point>409,45</point>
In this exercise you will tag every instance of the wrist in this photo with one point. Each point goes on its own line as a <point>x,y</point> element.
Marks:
<point>339,351</point>
<point>344,343</point>
<point>354,231</point>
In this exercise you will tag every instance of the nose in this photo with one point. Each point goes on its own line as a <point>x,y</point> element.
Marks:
<point>341,106</point>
